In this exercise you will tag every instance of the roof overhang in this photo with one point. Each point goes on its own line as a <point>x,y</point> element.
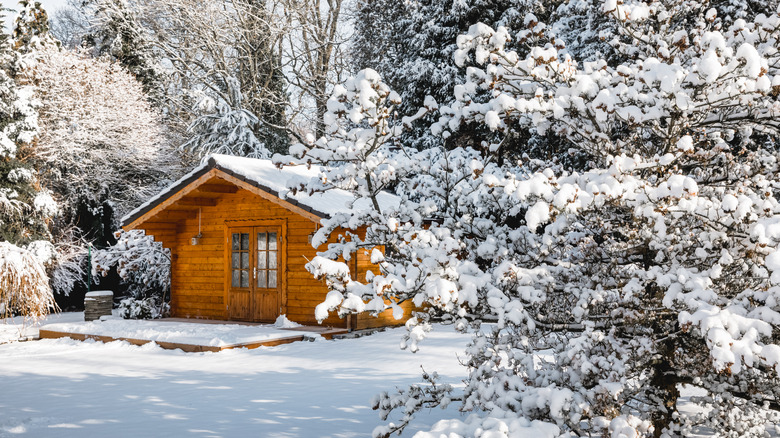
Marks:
<point>199,178</point>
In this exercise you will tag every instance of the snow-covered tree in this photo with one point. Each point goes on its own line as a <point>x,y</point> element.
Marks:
<point>315,43</point>
<point>225,127</point>
<point>609,290</point>
<point>117,32</point>
<point>211,53</point>
<point>414,52</point>
<point>102,149</point>
<point>69,24</point>
<point>25,206</point>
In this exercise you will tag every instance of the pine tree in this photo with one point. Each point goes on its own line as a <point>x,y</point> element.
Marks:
<point>117,32</point>
<point>411,45</point>
<point>260,75</point>
<point>24,206</point>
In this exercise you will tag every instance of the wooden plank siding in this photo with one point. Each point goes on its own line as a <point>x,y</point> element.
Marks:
<point>199,280</point>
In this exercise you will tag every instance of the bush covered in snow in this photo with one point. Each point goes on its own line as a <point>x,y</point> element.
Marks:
<point>143,308</point>
<point>612,288</point>
<point>24,285</point>
<point>145,268</point>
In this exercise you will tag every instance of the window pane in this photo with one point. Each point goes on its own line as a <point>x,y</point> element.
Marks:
<point>271,240</point>
<point>244,278</point>
<point>244,260</point>
<point>271,279</point>
<point>234,257</point>
<point>236,278</point>
<point>261,259</point>
<point>272,259</point>
<point>261,278</point>
<point>235,241</point>
<point>261,240</point>
<point>244,241</point>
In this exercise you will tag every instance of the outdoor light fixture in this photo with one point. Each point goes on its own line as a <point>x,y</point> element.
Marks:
<point>196,238</point>
<point>311,236</point>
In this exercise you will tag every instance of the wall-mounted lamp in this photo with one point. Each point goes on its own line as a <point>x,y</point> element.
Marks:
<point>196,238</point>
<point>311,236</point>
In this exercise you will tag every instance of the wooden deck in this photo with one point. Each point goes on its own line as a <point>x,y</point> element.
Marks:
<point>325,332</point>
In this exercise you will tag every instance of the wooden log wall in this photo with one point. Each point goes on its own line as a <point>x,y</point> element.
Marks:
<point>198,271</point>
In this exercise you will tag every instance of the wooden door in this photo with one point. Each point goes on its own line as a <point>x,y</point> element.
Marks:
<point>241,274</point>
<point>268,281</point>
<point>255,274</point>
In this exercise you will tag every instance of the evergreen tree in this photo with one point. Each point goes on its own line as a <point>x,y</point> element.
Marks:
<point>24,206</point>
<point>260,75</point>
<point>118,33</point>
<point>411,45</point>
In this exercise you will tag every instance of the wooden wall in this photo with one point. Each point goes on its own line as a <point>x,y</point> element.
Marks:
<point>198,271</point>
<point>365,320</point>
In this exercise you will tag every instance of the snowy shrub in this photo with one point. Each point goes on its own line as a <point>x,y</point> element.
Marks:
<point>611,289</point>
<point>69,267</point>
<point>143,308</point>
<point>24,285</point>
<point>144,266</point>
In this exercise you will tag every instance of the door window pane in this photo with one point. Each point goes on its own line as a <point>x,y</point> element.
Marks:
<point>236,242</point>
<point>261,260</point>
<point>261,239</point>
<point>244,260</point>
<point>236,278</point>
<point>272,259</point>
<point>261,278</point>
<point>244,278</point>
<point>272,241</point>
<point>234,263</point>
<point>271,279</point>
<point>244,241</point>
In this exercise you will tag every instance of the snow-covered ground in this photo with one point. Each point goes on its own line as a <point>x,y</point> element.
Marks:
<point>65,388</point>
<point>13,329</point>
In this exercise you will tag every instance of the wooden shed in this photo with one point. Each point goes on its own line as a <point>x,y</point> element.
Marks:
<point>238,250</point>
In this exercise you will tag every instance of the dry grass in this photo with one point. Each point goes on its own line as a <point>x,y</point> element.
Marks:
<point>24,285</point>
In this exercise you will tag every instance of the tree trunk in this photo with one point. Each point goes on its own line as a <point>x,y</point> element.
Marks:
<point>321,101</point>
<point>664,383</point>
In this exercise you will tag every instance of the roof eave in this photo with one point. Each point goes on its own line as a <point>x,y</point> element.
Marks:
<point>137,217</point>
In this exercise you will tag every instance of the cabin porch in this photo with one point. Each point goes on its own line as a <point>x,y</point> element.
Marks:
<point>189,335</point>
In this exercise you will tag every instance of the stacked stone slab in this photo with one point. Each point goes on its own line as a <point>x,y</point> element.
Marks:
<point>98,303</point>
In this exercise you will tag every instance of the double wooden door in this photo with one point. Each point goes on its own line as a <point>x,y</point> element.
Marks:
<point>255,273</point>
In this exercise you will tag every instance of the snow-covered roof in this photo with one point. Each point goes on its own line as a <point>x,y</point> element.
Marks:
<point>264,175</point>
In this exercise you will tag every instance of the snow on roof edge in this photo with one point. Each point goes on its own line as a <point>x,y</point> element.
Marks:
<point>264,175</point>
